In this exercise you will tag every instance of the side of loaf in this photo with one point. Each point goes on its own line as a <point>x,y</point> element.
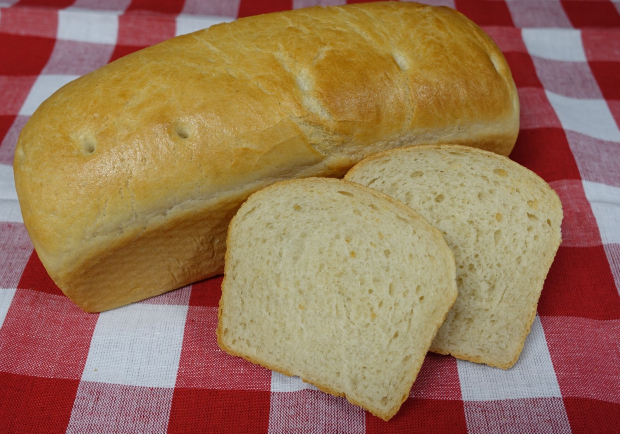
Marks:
<point>338,284</point>
<point>128,177</point>
<point>502,222</point>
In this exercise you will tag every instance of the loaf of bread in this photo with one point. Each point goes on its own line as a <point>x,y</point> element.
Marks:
<point>128,177</point>
<point>502,222</point>
<point>338,284</point>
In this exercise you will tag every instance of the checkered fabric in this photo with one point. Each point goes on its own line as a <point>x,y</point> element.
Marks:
<point>155,366</point>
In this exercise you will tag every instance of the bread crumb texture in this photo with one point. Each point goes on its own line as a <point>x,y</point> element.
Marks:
<point>338,284</point>
<point>501,221</point>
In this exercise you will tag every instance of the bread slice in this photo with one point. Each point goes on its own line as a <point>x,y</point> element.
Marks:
<point>502,222</point>
<point>338,284</point>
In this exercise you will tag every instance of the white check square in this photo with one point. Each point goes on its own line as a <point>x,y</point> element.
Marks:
<point>605,203</point>
<point>587,116</point>
<point>555,44</point>
<point>137,345</point>
<point>188,23</point>
<point>88,26</point>
<point>309,411</point>
<point>213,8</point>
<point>112,408</point>
<point>6,298</point>
<point>42,89</point>
<point>532,376</point>
<point>298,4</point>
<point>282,383</point>
<point>9,206</point>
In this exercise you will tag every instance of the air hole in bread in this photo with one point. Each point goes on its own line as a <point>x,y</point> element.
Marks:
<point>500,172</point>
<point>357,212</point>
<point>497,235</point>
<point>499,217</point>
<point>421,299</point>
<point>532,217</point>
<point>182,131</point>
<point>345,193</point>
<point>439,198</point>
<point>416,174</point>
<point>401,61</point>
<point>373,206</point>
<point>549,222</point>
<point>89,146</point>
<point>297,207</point>
<point>387,253</point>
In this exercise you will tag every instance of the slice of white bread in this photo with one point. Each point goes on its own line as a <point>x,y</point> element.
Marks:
<point>502,222</point>
<point>338,284</point>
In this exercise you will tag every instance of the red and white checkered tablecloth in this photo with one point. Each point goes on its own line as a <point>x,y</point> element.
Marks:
<point>155,367</point>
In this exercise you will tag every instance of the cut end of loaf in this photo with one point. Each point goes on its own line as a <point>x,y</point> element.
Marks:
<point>337,284</point>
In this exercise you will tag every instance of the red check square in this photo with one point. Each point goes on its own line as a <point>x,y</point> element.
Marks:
<point>23,55</point>
<point>34,404</point>
<point>219,411</point>
<point>204,365</point>
<point>160,6</point>
<point>45,335</point>
<point>59,4</point>
<point>485,12</point>
<point>607,74</point>
<point>207,293</point>
<point>546,152</point>
<point>432,416</point>
<point>35,277</point>
<point>591,13</point>
<point>523,70</point>
<point>585,356</point>
<point>580,284</point>
<point>251,7</point>
<point>438,379</point>
<point>592,416</point>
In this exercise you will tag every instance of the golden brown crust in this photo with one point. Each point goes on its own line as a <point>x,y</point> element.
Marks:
<point>191,125</point>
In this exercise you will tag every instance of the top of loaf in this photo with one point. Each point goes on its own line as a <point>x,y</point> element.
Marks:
<point>163,130</point>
